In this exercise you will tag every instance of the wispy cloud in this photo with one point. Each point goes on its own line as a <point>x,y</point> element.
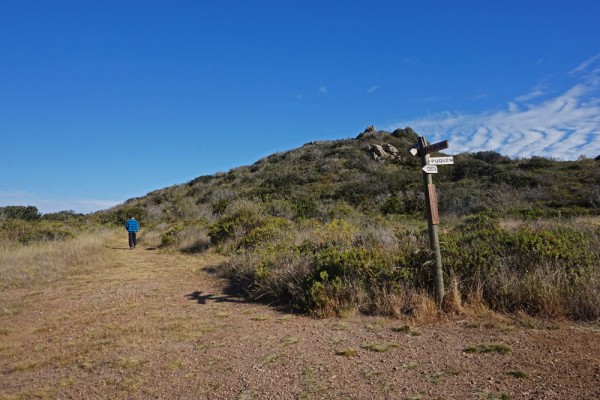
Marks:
<point>565,126</point>
<point>48,203</point>
<point>585,65</point>
<point>535,93</point>
<point>323,90</point>
<point>372,89</point>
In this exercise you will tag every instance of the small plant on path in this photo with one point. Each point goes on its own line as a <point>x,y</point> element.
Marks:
<point>488,348</point>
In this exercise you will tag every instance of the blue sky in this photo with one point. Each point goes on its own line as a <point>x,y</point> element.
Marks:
<point>107,100</point>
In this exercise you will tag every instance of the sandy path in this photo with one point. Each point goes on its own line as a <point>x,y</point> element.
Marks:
<point>156,325</point>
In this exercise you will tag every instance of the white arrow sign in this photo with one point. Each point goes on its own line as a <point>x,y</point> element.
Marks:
<point>440,160</point>
<point>430,169</point>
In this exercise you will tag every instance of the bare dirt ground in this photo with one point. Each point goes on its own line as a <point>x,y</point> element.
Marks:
<point>152,325</point>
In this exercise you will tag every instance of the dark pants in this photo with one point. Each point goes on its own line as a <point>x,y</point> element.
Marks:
<point>132,240</point>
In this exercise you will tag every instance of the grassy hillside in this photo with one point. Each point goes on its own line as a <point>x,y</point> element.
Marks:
<point>328,227</point>
<point>317,179</point>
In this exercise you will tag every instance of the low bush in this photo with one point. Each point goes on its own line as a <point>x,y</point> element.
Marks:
<point>537,270</point>
<point>24,232</point>
<point>234,225</point>
<point>169,237</point>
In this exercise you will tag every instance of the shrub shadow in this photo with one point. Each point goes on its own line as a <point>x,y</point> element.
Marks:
<point>236,289</point>
<point>201,298</point>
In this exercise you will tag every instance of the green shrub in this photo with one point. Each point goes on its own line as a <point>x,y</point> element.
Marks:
<point>24,232</point>
<point>40,235</point>
<point>235,225</point>
<point>265,231</point>
<point>63,216</point>
<point>353,262</point>
<point>24,213</point>
<point>466,166</point>
<point>352,277</point>
<point>170,237</point>
<point>491,157</point>
<point>219,206</point>
<point>408,202</point>
<point>304,207</point>
<point>393,205</point>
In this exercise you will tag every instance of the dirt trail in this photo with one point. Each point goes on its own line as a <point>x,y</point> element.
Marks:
<point>157,325</point>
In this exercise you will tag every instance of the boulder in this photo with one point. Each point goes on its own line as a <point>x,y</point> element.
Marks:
<point>378,152</point>
<point>391,150</point>
<point>385,152</point>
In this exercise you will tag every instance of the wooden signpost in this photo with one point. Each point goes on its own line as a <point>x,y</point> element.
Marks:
<point>429,166</point>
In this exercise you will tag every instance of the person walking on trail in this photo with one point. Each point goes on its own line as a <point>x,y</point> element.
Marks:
<point>132,227</point>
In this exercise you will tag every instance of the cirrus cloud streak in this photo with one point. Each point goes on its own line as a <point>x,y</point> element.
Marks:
<point>565,126</point>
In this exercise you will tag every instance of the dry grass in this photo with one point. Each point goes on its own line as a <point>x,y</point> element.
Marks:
<point>39,263</point>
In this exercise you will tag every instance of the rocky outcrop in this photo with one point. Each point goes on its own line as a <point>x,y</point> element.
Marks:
<point>391,150</point>
<point>385,152</point>
<point>369,132</point>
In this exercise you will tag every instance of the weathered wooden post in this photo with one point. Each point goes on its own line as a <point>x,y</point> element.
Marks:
<point>429,166</point>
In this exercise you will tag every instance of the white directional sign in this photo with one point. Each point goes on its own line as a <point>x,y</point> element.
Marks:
<point>430,169</point>
<point>440,160</point>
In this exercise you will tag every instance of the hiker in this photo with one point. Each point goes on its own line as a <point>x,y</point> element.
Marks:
<point>132,227</point>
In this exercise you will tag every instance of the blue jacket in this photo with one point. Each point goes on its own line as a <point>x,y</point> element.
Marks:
<point>132,225</point>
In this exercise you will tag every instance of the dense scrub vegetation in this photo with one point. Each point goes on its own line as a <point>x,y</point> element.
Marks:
<point>326,228</point>
<point>25,225</point>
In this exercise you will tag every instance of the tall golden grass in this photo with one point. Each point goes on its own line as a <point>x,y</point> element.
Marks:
<point>44,262</point>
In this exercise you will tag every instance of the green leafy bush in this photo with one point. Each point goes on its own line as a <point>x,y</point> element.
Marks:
<point>170,236</point>
<point>304,207</point>
<point>234,225</point>
<point>25,213</point>
<point>27,232</point>
<point>266,231</point>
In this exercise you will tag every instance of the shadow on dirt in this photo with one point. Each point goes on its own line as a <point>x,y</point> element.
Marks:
<point>204,298</point>
<point>235,289</point>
